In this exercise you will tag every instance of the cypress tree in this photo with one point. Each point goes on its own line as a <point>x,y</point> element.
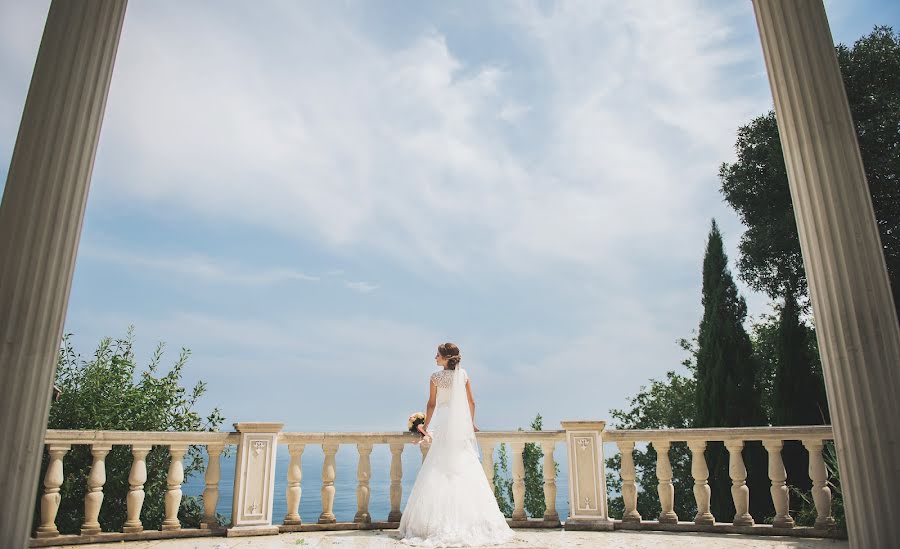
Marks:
<point>727,393</point>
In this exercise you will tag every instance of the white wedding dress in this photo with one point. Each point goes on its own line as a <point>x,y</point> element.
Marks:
<point>451,503</point>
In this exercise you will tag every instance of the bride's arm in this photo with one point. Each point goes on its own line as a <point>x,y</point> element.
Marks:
<point>429,408</point>
<point>471,402</point>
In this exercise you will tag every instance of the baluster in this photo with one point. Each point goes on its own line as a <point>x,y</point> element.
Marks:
<point>136,479</point>
<point>327,516</point>
<point>550,514</point>
<point>211,491</point>
<point>740,493</point>
<point>629,490</point>
<point>665,489</point>
<point>487,460</point>
<point>93,499</point>
<point>700,472</point>
<point>363,473</point>
<point>820,491</point>
<point>779,489</point>
<point>518,478</point>
<point>53,479</point>
<point>396,478</point>
<point>295,474</point>
<point>173,487</point>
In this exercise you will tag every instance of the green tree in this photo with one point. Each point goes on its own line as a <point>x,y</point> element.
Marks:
<point>727,392</point>
<point>532,458</point>
<point>756,184</point>
<point>667,403</point>
<point>108,393</point>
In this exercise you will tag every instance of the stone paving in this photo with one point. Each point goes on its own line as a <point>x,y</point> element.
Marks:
<point>525,538</point>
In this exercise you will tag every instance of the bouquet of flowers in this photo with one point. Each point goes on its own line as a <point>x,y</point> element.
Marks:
<point>414,421</point>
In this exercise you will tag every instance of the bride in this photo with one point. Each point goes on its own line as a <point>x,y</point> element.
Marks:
<point>451,502</point>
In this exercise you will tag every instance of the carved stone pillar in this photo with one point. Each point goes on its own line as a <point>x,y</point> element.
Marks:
<point>211,490</point>
<point>856,322</point>
<point>396,481</point>
<point>587,476</point>
<point>820,491</point>
<point>254,479</point>
<point>518,481</point>
<point>665,489</point>
<point>740,493</point>
<point>53,479</point>
<point>550,513</point>
<point>780,492</point>
<point>295,475</point>
<point>629,490</point>
<point>40,223</point>
<point>700,472</point>
<point>136,479</point>
<point>363,474</point>
<point>173,487</point>
<point>328,472</point>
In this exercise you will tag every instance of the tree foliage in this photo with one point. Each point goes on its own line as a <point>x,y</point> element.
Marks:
<point>532,457</point>
<point>107,392</point>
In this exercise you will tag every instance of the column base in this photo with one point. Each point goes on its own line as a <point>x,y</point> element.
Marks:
<point>743,520</point>
<point>668,518</point>
<point>394,516</point>
<point>362,518</point>
<point>704,519</point>
<point>90,530</point>
<point>592,523</point>
<point>327,518</point>
<point>292,521</point>
<point>261,530</point>
<point>634,517</point>
<point>47,532</point>
<point>783,522</point>
<point>827,522</point>
<point>136,529</point>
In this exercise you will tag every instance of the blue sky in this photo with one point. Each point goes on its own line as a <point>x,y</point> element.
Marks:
<point>311,196</point>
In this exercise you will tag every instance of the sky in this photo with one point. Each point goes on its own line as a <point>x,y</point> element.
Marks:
<point>311,196</point>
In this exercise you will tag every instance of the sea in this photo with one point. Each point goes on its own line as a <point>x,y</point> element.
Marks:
<point>345,482</point>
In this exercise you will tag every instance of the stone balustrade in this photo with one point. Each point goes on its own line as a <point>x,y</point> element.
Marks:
<point>813,439</point>
<point>584,440</point>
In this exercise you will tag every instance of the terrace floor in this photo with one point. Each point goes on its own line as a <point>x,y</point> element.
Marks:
<point>530,538</point>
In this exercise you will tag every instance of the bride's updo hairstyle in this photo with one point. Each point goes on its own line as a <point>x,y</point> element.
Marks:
<point>451,352</point>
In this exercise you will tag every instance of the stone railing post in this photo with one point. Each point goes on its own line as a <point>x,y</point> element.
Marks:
<point>211,490</point>
<point>136,479</point>
<point>396,481</point>
<point>665,489</point>
<point>518,481</point>
<point>487,460</point>
<point>780,492</point>
<point>740,493</point>
<point>629,489</point>
<point>173,487</point>
<point>328,472</point>
<point>550,514</point>
<point>295,475</point>
<point>587,478</point>
<point>363,473</point>
<point>93,499</point>
<point>254,479</point>
<point>700,472</point>
<point>820,491</point>
<point>53,479</point>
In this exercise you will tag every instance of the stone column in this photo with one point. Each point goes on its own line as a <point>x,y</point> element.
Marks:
<point>550,513</point>
<point>856,322</point>
<point>136,479</point>
<point>396,481</point>
<point>40,223</point>
<point>518,481</point>
<point>174,479</point>
<point>665,489</point>
<point>211,490</point>
<point>740,493</point>
<point>327,515</point>
<point>93,499</point>
<point>487,460</point>
<point>53,479</point>
<point>700,472</point>
<point>295,475</point>
<point>821,493</point>
<point>363,474</point>
<point>587,476</point>
<point>780,492</point>
<point>629,489</point>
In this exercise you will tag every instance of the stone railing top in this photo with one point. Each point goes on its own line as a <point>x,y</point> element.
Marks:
<point>395,437</point>
<point>62,436</point>
<point>811,432</point>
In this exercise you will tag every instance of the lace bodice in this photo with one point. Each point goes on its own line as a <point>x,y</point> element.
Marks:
<point>444,378</point>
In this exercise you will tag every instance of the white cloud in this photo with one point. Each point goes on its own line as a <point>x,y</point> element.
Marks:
<point>304,125</point>
<point>197,266</point>
<point>361,287</point>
